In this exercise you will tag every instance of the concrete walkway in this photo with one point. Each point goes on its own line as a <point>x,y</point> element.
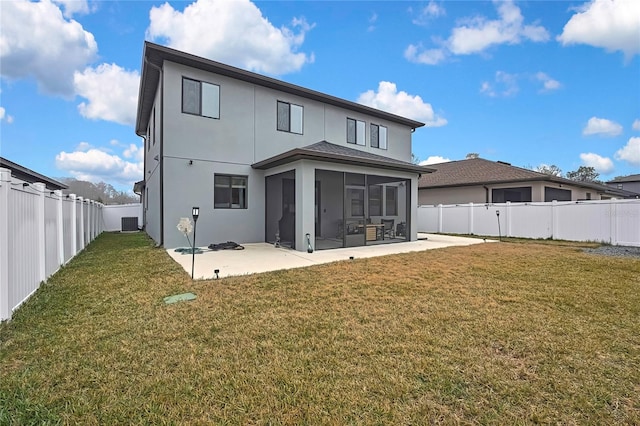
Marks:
<point>263,257</point>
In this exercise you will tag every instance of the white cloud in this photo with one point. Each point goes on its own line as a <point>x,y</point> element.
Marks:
<point>434,159</point>
<point>602,127</point>
<point>111,91</point>
<point>505,85</point>
<point>387,98</point>
<point>83,146</point>
<point>5,117</point>
<point>134,152</point>
<point>97,165</point>
<point>430,11</point>
<point>72,7</point>
<point>419,55</point>
<point>548,83</point>
<point>609,24</point>
<point>636,124</point>
<point>233,32</point>
<point>37,41</point>
<point>476,34</point>
<point>630,152</point>
<point>479,33</point>
<point>602,165</point>
<point>372,22</point>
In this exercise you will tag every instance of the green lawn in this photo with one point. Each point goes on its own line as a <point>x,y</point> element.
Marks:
<point>499,333</point>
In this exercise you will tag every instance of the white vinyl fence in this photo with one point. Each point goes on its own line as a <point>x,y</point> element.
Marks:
<point>40,230</point>
<point>113,214</point>
<point>615,222</point>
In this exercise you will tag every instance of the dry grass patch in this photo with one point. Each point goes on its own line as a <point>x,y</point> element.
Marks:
<point>493,333</point>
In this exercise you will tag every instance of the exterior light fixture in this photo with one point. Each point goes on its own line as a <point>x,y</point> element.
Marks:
<point>195,212</point>
<point>499,233</point>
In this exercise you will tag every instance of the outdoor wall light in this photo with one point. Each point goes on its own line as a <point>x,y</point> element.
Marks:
<point>195,212</point>
<point>25,184</point>
<point>191,162</point>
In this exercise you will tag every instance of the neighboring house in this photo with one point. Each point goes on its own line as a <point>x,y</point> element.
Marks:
<point>29,176</point>
<point>627,183</point>
<point>477,180</point>
<point>265,159</point>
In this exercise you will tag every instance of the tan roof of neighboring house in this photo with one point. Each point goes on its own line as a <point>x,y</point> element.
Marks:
<point>478,171</point>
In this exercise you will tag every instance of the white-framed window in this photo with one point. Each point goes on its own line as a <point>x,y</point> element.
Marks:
<point>356,131</point>
<point>290,117</point>
<point>200,98</point>
<point>378,136</point>
<point>230,192</point>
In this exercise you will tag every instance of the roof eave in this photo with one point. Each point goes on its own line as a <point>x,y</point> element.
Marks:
<point>303,154</point>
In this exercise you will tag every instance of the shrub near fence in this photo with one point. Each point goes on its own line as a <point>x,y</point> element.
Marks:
<point>615,222</point>
<point>40,230</point>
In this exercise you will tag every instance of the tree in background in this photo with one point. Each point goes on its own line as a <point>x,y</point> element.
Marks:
<point>101,192</point>
<point>552,170</point>
<point>584,174</point>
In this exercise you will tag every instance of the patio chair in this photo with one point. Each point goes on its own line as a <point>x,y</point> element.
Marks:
<point>388,228</point>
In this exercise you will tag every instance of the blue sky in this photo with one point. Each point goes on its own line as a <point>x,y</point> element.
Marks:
<point>529,83</point>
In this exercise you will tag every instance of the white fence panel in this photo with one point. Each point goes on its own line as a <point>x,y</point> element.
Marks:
<point>583,222</point>
<point>627,228</point>
<point>39,231</point>
<point>23,243</point>
<point>52,256</point>
<point>68,224</point>
<point>112,215</point>
<point>610,221</point>
<point>531,220</point>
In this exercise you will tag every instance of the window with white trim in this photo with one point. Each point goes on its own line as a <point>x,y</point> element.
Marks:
<point>230,192</point>
<point>200,98</point>
<point>356,131</point>
<point>290,117</point>
<point>378,136</point>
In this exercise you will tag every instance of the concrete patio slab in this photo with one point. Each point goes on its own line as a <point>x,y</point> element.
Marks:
<point>263,257</point>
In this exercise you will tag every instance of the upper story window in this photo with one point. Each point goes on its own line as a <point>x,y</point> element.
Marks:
<point>378,136</point>
<point>355,131</point>
<point>200,98</point>
<point>290,117</point>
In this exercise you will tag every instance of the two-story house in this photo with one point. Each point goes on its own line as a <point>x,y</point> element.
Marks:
<point>267,160</point>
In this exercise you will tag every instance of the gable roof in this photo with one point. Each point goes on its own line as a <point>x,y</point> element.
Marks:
<point>630,178</point>
<point>478,171</point>
<point>326,151</point>
<point>28,175</point>
<point>154,56</point>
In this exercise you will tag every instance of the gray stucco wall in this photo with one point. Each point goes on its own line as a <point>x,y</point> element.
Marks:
<point>244,134</point>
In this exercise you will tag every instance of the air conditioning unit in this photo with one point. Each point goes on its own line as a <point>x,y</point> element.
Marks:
<point>129,224</point>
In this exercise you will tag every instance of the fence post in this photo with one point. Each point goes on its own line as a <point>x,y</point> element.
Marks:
<point>42,242</point>
<point>90,221</point>
<point>439,218</point>
<point>81,223</point>
<point>470,218</point>
<point>613,221</point>
<point>60,227</point>
<point>5,188</point>
<point>507,213</point>
<point>74,226</point>
<point>554,220</point>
